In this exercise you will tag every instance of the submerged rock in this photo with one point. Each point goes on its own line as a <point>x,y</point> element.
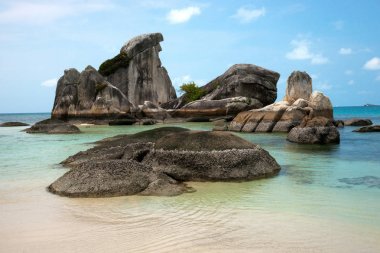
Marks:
<point>357,122</point>
<point>369,181</point>
<point>53,126</point>
<point>159,161</point>
<point>13,124</point>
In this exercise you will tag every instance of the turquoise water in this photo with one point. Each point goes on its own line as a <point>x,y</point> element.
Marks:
<point>326,199</point>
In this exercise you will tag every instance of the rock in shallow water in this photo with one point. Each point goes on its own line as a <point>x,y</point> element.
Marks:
<point>314,135</point>
<point>53,126</point>
<point>318,130</point>
<point>158,161</point>
<point>357,122</point>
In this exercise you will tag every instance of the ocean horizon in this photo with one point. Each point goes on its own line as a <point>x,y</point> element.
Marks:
<point>325,198</point>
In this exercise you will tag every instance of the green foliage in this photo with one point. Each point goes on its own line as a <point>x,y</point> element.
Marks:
<point>110,66</point>
<point>191,92</point>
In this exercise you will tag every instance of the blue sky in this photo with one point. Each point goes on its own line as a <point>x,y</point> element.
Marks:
<point>336,42</point>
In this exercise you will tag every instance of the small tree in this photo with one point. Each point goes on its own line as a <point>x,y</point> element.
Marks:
<point>191,91</point>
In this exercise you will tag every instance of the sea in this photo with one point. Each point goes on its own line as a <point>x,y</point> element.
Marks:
<point>325,199</point>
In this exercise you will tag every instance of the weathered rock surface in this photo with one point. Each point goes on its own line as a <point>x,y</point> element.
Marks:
<point>13,124</point>
<point>300,104</point>
<point>321,105</point>
<point>365,129</point>
<point>249,85</point>
<point>357,122</point>
<point>122,83</point>
<point>159,161</point>
<point>150,110</point>
<point>314,135</point>
<point>53,126</point>
<point>278,117</point>
<point>318,130</point>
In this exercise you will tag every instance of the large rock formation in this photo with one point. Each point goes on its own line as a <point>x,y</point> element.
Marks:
<point>159,161</point>
<point>299,105</point>
<point>121,84</point>
<point>242,87</point>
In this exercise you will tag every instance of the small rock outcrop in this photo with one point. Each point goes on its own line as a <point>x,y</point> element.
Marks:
<point>121,84</point>
<point>13,124</point>
<point>284,115</point>
<point>53,126</point>
<point>242,87</point>
<point>367,129</point>
<point>160,161</point>
<point>357,122</point>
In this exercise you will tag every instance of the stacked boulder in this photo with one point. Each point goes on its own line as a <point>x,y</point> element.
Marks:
<point>302,112</point>
<point>242,87</point>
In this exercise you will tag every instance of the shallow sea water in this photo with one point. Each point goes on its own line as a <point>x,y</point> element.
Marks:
<point>325,199</point>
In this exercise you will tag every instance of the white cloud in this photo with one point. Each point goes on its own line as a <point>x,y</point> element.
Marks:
<point>345,51</point>
<point>301,51</point>
<point>372,64</point>
<point>351,82</point>
<point>177,16</point>
<point>245,15</point>
<point>41,12</point>
<point>50,82</point>
<point>324,86</point>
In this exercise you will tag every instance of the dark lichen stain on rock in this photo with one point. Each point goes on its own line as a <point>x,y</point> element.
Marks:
<point>110,66</point>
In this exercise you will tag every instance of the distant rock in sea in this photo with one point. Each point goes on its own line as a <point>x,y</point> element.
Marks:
<point>13,124</point>
<point>357,122</point>
<point>367,129</point>
<point>53,126</point>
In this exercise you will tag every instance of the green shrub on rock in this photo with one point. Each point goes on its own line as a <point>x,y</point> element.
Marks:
<point>191,92</point>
